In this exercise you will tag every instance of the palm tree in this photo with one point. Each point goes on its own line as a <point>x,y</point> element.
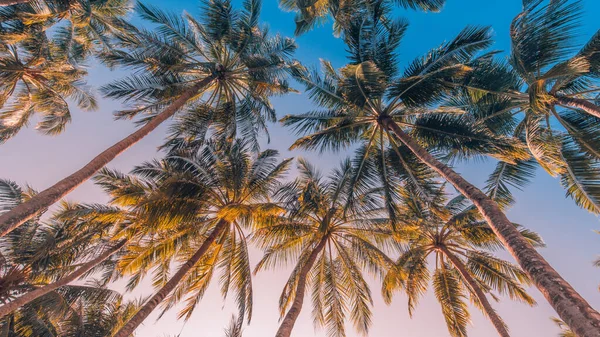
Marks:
<point>552,92</point>
<point>226,59</point>
<point>43,259</point>
<point>367,102</point>
<point>85,319</point>
<point>36,78</point>
<point>33,258</point>
<point>210,195</point>
<point>99,319</point>
<point>542,38</point>
<point>453,232</point>
<point>331,243</point>
<point>38,72</point>
<point>310,13</point>
<point>80,27</point>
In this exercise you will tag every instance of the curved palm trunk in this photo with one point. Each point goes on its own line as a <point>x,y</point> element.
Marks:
<point>12,2</point>
<point>570,306</point>
<point>160,295</point>
<point>487,306</point>
<point>34,294</point>
<point>25,211</point>
<point>579,103</point>
<point>286,327</point>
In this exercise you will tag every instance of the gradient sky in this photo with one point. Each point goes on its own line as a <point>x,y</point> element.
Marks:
<point>568,231</point>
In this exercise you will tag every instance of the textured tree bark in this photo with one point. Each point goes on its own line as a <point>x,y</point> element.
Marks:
<point>4,3</point>
<point>34,294</point>
<point>487,307</point>
<point>25,211</point>
<point>569,305</point>
<point>579,103</point>
<point>286,327</point>
<point>160,295</point>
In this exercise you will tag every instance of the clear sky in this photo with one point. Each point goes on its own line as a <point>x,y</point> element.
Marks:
<point>568,231</point>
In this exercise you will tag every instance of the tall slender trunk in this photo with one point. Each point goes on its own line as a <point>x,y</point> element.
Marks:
<point>160,295</point>
<point>579,103</point>
<point>569,305</point>
<point>4,3</point>
<point>34,294</point>
<point>25,211</point>
<point>286,327</point>
<point>487,307</point>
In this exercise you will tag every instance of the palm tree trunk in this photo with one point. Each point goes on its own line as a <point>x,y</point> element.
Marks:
<point>570,306</point>
<point>579,103</point>
<point>25,211</point>
<point>34,294</point>
<point>4,3</point>
<point>487,307</point>
<point>286,327</point>
<point>160,295</point>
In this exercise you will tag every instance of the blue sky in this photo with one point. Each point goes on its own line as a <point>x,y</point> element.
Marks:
<point>568,231</point>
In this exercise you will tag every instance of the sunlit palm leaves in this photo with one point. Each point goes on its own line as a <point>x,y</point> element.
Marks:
<point>356,101</point>
<point>343,238</point>
<point>454,233</point>
<point>187,195</point>
<point>36,78</point>
<point>232,60</point>
<point>552,88</point>
<point>79,27</point>
<point>86,319</point>
<point>311,13</point>
<point>37,254</point>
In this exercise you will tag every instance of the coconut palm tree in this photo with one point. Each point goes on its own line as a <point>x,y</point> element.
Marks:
<point>211,195</point>
<point>79,27</point>
<point>99,319</point>
<point>331,245</point>
<point>41,260</point>
<point>33,258</point>
<point>310,13</point>
<point>225,61</point>
<point>368,102</point>
<point>546,95</point>
<point>36,78</point>
<point>86,319</point>
<point>462,243</point>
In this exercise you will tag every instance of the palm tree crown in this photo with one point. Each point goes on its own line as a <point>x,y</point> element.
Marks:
<point>218,188</point>
<point>37,254</point>
<point>37,78</point>
<point>80,27</point>
<point>332,243</point>
<point>453,232</point>
<point>358,101</point>
<point>545,95</point>
<point>310,13</point>
<point>230,60</point>
<point>222,69</point>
